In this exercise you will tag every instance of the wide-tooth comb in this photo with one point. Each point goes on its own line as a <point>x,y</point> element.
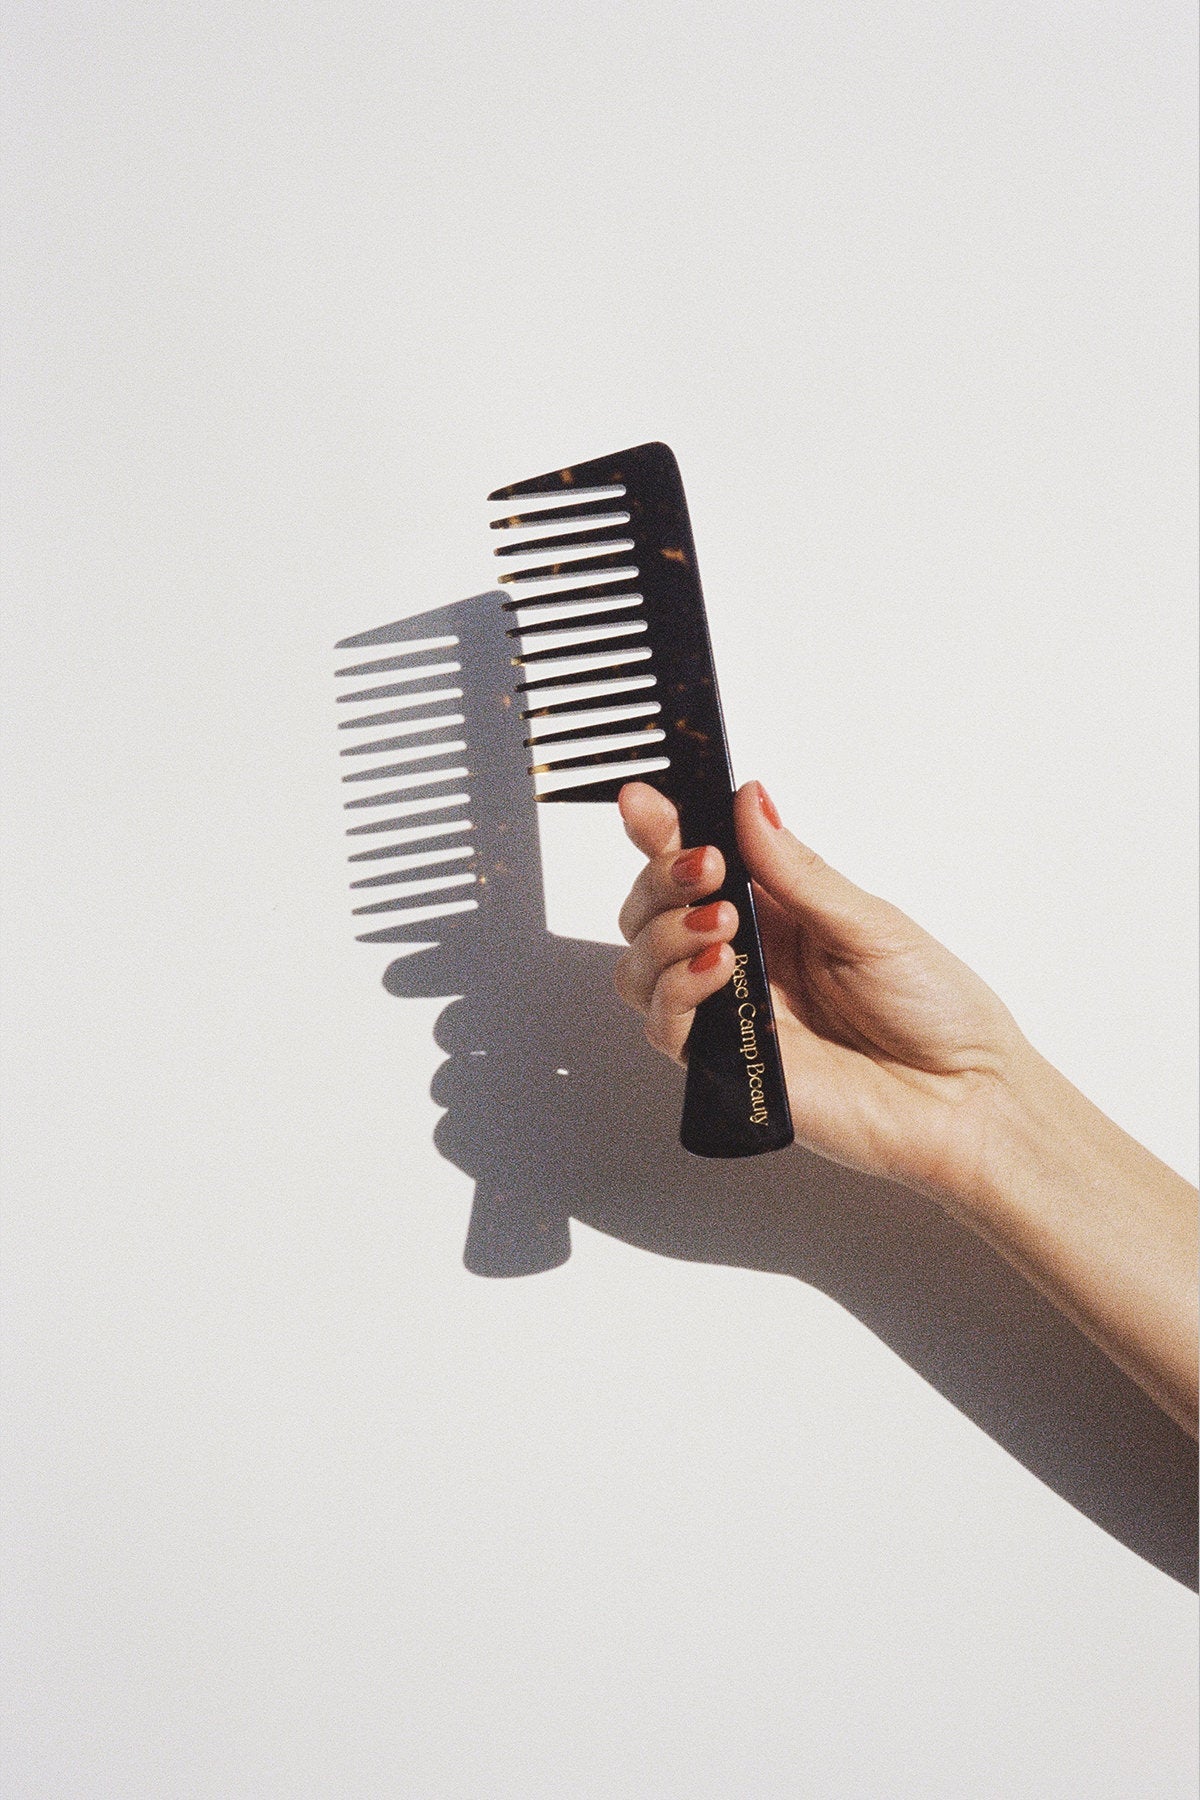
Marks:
<point>617,681</point>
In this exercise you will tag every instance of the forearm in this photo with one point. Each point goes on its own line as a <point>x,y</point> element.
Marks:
<point>1096,1222</point>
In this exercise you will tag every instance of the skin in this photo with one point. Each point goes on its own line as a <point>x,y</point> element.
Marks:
<point>902,1063</point>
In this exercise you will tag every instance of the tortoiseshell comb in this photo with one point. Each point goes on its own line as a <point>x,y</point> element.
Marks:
<point>619,685</point>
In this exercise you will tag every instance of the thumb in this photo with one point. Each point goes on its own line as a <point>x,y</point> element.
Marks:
<point>843,918</point>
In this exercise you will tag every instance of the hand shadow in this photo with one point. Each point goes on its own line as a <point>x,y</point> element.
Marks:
<point>557,1108</point>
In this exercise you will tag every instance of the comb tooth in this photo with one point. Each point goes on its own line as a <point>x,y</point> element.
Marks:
<point>573,755</point>
<point>560,698</point>
<point>585,478</point>
<point>580,665</point>
<point>581,723</point>
<point>540,646</point>
<point>616,559</point>
<point>616,534</point>
<point>653,462</point>
<point>432,731</point>
<point>574,614</point>
<point>595,590</point>
<point>604,783</point>
<point>588,509</point>
<point>631,746</point>
<point>608,789</point>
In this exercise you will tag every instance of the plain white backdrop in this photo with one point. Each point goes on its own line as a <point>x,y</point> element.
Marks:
<point>299,1508</point>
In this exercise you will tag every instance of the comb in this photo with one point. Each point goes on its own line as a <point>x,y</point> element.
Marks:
<point>617,683</point>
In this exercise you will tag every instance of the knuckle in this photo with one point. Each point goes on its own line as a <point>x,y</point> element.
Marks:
<point>667,1034</point>
<point>625,980</point>
<point>886,932</point>
<point>664,935</point>
<point>668,995</point>
<point>810,861</point>
<point>662,890</point>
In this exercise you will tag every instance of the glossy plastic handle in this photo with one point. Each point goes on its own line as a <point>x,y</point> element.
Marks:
<point>735,1101</point>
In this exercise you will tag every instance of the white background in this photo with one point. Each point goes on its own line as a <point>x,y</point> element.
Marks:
<point>298,1506</point>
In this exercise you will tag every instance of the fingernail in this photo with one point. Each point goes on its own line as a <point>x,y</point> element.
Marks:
<point>687,869</point>
<point>767,807</point>
<point>706,959</point>
<point>703,918</point>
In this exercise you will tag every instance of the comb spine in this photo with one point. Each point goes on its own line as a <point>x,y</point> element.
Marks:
<point>735,1097</point>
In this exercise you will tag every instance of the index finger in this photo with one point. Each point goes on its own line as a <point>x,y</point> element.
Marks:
<point>650,820</point>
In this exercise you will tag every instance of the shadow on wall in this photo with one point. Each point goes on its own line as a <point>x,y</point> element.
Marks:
<point>557,1108</point>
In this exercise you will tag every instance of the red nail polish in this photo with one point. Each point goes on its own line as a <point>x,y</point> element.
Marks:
<point>767,808</point>
<point>688,868</point>
<point>706,959</point>
<point>703,918</point>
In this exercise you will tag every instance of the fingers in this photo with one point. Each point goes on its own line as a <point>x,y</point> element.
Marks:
<point>678,952</point>
<point>681,936</point>
<point>668,883</point>
<point>669,993</point>
<point>672,878</point>
<point>679,991</point>
<point>842,918</point>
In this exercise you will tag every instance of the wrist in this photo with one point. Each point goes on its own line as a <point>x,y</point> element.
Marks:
<point>998,1121</point>
<point>1092,1218</point>
<point>1030,1122</point>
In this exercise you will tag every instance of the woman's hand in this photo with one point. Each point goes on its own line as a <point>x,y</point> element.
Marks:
<point>889,1043</point>
<point>901,1062</point>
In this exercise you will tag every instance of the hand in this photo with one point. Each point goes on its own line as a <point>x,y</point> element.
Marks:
<point>889,1043</point>
<point>901,1062</point>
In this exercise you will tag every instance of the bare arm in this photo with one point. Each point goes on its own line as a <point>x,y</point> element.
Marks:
<point>901,1062</point>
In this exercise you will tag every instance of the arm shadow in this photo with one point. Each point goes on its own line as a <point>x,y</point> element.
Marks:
<point>557,1108</point>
